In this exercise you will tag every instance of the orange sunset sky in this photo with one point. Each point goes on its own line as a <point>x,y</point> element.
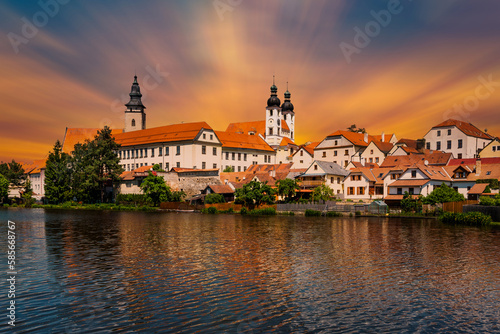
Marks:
<point>71,64</point>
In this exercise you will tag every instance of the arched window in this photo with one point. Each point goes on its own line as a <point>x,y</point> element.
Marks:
<point>133,122</point>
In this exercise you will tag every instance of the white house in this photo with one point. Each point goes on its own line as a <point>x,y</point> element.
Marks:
<point>376,152</point>
<point>304,156</point>
<point>341,146</point>
<point>462,139</point>
<point>323,172</point>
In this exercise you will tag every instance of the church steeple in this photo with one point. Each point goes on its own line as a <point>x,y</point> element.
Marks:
<point>287,106</point>
<point>273,101</point>
<point>135,117</point>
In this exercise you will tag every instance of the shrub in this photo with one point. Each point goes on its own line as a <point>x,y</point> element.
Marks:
<point>349,200</point>
<point>487,200</point>
<point>243,211</point>
<point>263,212</point>
<point>214,198</point>
<point>312,213</point>
<point>333,214</point>
<point>287,213</point>
<point>210,210</point>
<point>358,213</point>
<point>469,218</point>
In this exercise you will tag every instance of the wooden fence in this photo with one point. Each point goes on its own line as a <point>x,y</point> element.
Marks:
<point>457,206</point>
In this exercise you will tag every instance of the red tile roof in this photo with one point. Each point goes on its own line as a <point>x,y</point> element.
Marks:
<point>383,146</point>
<point>287,141</point>
<point>478,188</point>
<point>356,138</point>
<point>398,197</point>
<point>412,143</point>
<point>238,140</point>
<point>221,189</point>
<point>259,127</point>
<point>387,137</point>
<point>75,136</point>
<point>162,134</point>
<point>484,161</point>
<point>467,128</point>
<point>408,183</point>
<point>434,158</point>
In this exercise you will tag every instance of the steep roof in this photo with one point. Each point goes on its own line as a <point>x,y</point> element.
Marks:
<point>259,127</point>
<point>239,140</point>
<point>356,138</point>
<point>383,146</point>
<point>35,167</point>
<point>434,158</point>
<point>387,137</point>
<point>408,142</point>
<point>162,134</point>
<point>221,188</point>
<point>75,136</point>
<point>331,168</point>
<point>467,128</point>
<point>284,126</point>
<point>478,189</point>
<point>287,141</point>
<point>365,171</point>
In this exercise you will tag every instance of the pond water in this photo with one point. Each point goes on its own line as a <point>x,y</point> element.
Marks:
<point>103,272</point>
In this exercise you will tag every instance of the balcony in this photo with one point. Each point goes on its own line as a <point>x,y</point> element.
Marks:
<point>311,183</point>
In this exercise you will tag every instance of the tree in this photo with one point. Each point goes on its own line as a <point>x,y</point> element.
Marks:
<point>58,175</point>
<point>255,193</point>
<point>487,190</point>
<point>28,194</point>
<point>287,188</point>
<point>177,196</point>
<point>409,204</point>
<point>214,198</point>
<point>322,193</point>
<point>353,128</point>
<point>13,172</point>
<point>4,188</point>
<point>228,169</point>
<point>95,166</point>
<point>443,194</point>
<point>155,189</point>
<point>157,168</point>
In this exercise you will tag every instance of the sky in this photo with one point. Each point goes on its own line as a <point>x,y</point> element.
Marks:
<point>385,65</point>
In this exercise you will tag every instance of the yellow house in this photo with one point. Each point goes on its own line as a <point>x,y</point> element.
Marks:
<point>492,150</point>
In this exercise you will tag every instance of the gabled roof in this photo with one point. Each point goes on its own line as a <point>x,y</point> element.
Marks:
<point>75,136</point>
<point>264,178</point>
<point>309,148</point>
<point>162,134</point>
<point>434,172</point>
<point>287,141</point>
<point>412,143</point>
<point>284,126</point>
<point>478,189</point>
<point>35,167</point>
<point>434,158</point>
<point>356,138</point>
<point>221,188</point>
<point>385,147</point>
<point>259,127</point>
<point>331,168</point>
<point>239,141</point>
<point>387,137</point>
<point>467,128</point>
<point>131,175</point>
<point>365,171</point>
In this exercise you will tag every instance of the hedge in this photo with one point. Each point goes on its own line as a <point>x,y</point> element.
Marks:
<point>469,218</point>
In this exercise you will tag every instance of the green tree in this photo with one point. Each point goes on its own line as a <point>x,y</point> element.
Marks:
<point>95,166</point>
<point>255,193</point>
<point>4,188</point>
<point>487,190</point>
<point>443,194</point>
<point>155,189</point>
<point>214,198</point>
<point>13,172</point>
<point>157,168</point>
<point>322,193</point>
<point>353,128</point>
<point>177,196</point>
<point>28,194</point>
<point>228,169</point>
<point>58,175</point>
<point>287,188</point>
<point>410,204</point>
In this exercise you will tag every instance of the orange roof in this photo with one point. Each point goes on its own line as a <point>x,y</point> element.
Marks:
<point>434,158</point>
<point>365,171</point>
<point>168,133</point>
<point>467,128</point>
<point>387,137</point>
<point>356,138</point>
<point>478,188</point>
<point>232,177</point>
<point>398,197</point>
<point>383,146</point>
<point>221,189</point>
<point>409,183</point>
<point>34,167</point>
<point>75,136</point>
<point>287,141</point>
<point>239,140</point>
<point>408,142</point>
<point>259,127</point>
<point>284,126</point>
<point>190,170</point>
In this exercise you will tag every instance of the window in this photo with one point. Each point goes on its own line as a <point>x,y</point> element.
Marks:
<point>353,177</point>
<point>459,156</point>
<point>167,166</point>
<point>270,131</point>
<point>346,163</point>
<point>214,166</point>
<point>448,145</point>
<point>233,155</point>
<point>371,160</point>
<point>152,152</point>
<point>239,168</point>
<point>439,133</point>
<point>410,190</point>
<point>211,137</point>
<point>346,152</point>
<point>302,153</point>
<point>133,122</point>
<point>227,155</point>
<point>377,160</point>
<point>361,190</point>
<point>371,151</point>
<point>428,145</point>
<point>239,156</point>
<point>204,136</point>
<point>203,149</point>
<point>245,157</point>
<point>203,165</point>
<point>413,173</point>
<point>338,180</point>
<point>167,150</point>
<point>334,153</point>
<point>331,179</point>
<point>400,191</point>
<point>137,153</point>
<point>178,151</point>
<point>350,190</point>
<point>271,113</point>
<point>315,167</point>
<point>438,145</point>
<point>488,172</point>
<point>336,143</point>
<point>460,144</point>
<point>161,165</point>
<point>178,165</point>
<point>128,154</point>
<point>301,161</point>
<point>128,167</point>
<point>324,154</point>
<point>265,158</point>
<point>214,151</point>
<point>493,149</point>
<point>142,153</point>
<point>160,151</point>
<point>449,132</point>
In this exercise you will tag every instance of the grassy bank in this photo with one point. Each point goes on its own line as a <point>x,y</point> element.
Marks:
<point>78,206</point>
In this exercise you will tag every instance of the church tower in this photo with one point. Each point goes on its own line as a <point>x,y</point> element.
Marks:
<point>135,117</point>
<point>273,117</point>
<point>288,115</point>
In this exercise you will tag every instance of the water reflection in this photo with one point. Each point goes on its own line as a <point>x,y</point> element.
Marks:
<point>144,272</point>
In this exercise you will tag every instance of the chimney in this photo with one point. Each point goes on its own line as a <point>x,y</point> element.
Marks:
<point>478,167</point>
<point>420,144</point>
<point>383,137</point>
<point>366,137</point>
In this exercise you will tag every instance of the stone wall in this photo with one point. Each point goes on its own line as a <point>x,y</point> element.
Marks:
<point>191,185</point>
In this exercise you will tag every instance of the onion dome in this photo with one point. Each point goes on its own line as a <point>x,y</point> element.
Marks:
<point>274,101</point>
<point>135,96</point>
<point>287,105</point>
